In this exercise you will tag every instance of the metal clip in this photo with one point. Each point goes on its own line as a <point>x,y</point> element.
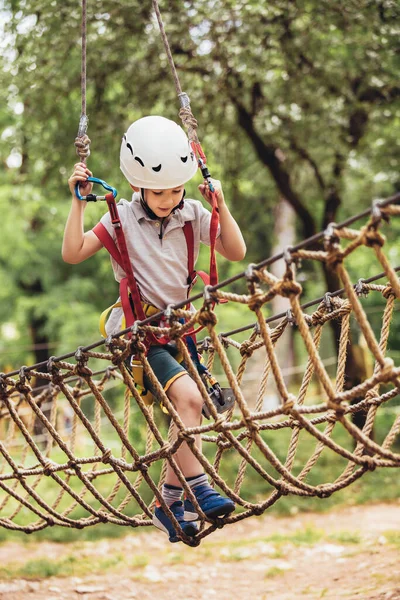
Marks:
<point>50,364</point>
<point>328,301</point>
<point>83,125</point>
<point>250,274</point>
<point>376,213</point>
<point>359,288</point>
<point>135,329</point>
<point>330,237</point>
<point>168,312</point>
<point>108,341</point>
<point>184,100</point>
<point>78,354</point>
<point>207,293</point>
<point>290,318</point>
<point>287,255</point>
<point>257,328</point>
<point>22,374</point>
<point>205,344</point>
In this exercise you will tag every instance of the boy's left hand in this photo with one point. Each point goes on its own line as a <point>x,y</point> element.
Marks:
<point>205,191</point>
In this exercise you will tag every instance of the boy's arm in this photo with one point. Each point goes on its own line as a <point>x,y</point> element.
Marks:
<point>78,245</point>
<point>230,242</point>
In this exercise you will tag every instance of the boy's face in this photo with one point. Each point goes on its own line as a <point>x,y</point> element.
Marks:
<point>161,202</point>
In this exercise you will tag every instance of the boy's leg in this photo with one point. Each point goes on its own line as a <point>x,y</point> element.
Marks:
<point>188,402</point>
<point>170,373</point>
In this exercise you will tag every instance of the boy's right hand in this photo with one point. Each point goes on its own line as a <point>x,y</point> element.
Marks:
<point>79,175</point>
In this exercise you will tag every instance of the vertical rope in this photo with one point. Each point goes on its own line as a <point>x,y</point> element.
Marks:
<point>167,48</point>
<point>82,141</point>
<point>83,68</point>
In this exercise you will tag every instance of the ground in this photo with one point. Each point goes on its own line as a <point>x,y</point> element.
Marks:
<point>349,553</point>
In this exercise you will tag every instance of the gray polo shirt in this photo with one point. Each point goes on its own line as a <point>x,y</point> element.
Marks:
<point>160,266</point>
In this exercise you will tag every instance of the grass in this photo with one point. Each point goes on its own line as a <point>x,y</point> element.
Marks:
<point>275,547</point>
<point>71,565</point>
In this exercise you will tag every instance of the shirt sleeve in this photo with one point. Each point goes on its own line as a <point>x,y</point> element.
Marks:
<point>205,220</point>
<point>106,218</point>
<point>106,221</point>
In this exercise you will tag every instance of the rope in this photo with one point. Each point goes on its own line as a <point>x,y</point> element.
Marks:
<point>185,112</point>
<point>82,141</point>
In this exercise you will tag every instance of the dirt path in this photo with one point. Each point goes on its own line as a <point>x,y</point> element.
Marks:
<point>351,553</point>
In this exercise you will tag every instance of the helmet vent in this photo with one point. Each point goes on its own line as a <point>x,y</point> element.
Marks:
<point>157,169</point>
<point>130,147</point>
<point>139,160</point>
<point>184,159</point>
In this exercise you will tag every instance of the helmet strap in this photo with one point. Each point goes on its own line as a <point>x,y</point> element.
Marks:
<point>146,207</point>
<point>151,214</point>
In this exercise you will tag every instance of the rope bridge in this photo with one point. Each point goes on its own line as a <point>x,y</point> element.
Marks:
<point>87,464</point>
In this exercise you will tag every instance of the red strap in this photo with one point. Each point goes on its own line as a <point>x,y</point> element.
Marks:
<point>188,231</point>
<point>124,257</point>
<point>213,238</point>
<point>108,243</point>
<point>201,157</point>
<point>126,305</point>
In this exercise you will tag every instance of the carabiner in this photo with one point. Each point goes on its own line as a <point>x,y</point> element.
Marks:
<point>93,197</point>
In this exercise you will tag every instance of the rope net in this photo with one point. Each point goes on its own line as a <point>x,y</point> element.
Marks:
<point>68,458</point>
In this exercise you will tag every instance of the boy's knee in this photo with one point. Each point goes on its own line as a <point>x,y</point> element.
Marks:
<point>187,398</point>
<point>194,401</point>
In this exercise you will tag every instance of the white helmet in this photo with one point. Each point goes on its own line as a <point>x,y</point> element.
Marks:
<point>156,154</point>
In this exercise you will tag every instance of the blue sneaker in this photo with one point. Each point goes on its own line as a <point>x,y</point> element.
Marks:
<point>211,503</point>
<point>162,521</point>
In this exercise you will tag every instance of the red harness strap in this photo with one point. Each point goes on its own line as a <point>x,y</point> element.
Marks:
<point>192,273</point>
<point>202,160</point>
<point>121,256</point>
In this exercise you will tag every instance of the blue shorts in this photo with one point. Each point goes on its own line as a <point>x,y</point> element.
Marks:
<point>166,362</point>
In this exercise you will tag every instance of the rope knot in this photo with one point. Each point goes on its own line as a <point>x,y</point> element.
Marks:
<point>387,292</point>
<point>256,300</point>
<point>48,467</point>
<point>82,145</point>
<point>324,492</point>
<point>289,288</point>
<point>339,407</point>
<point>289,404</point>
<point>246,348</point>
<point>207,317</point>
<point>73,464</point>
<point>284,489</point>
<point>185,436</point>
<point>387,369</point>
<point>103,517</point>
<point>334,258</point>
<point>189,122</point>
<point>369,462</point>
<point>373,237</point>
<point>106,457</point>
<point>219,423</point>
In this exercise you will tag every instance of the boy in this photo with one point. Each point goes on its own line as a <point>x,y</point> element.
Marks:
<point>157,160</point>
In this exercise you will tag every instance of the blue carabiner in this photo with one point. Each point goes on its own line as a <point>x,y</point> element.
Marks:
<point>93,197</point>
